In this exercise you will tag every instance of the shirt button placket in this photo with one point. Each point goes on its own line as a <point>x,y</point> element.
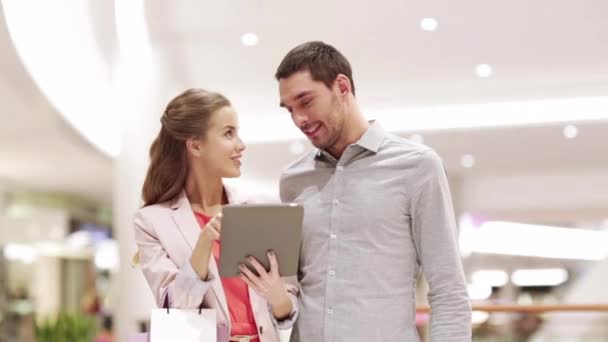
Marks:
<point>335,226</point>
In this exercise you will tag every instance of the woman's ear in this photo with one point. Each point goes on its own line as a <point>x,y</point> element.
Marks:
<point>194,147</point>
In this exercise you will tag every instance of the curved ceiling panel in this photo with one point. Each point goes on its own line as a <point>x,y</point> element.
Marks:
<point>60,46</point>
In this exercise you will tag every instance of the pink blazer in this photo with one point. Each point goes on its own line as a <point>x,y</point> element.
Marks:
<point>165,235</point>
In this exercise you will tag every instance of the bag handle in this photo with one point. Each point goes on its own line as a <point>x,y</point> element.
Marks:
<point>166,305</point>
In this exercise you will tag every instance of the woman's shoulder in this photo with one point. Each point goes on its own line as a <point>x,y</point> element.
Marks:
<point>153,212</point>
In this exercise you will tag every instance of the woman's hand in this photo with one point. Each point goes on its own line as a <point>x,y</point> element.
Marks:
<point>202,250</point>
<point>211,231</point>
<point>268,285</point>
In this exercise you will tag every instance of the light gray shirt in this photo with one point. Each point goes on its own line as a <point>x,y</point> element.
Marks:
<point>372,220</point>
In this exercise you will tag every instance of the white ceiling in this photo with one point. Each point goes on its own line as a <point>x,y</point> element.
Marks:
<point>537,49</point>
<point>38,150</point>
<point>540,49</point>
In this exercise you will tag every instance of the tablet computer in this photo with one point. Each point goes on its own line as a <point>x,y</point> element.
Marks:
<point>255,229</point>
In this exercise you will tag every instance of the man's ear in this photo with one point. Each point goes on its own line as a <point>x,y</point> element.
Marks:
<point>343,84</point>
<point>194,146</point>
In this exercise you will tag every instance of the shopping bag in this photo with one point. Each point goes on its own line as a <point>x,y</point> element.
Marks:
<point>222,335</point>
<point>183,325</point>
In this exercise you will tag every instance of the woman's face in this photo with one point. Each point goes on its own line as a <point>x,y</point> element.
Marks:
<point>221,149</point>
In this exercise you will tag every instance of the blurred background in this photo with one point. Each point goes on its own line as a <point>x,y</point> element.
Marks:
<point>512,94</point>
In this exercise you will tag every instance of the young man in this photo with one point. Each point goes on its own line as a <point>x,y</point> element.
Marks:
<point>377,211</point>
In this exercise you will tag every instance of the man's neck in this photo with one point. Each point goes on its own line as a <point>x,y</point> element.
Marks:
<point>352,132</point>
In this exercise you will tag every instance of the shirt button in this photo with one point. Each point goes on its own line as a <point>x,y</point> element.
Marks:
<point>336,202</point>
<point>333,236</point>
<point>330,311</point>
<point>332,273</point>
<point>340,168</point>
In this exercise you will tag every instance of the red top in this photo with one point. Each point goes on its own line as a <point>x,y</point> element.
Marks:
<point>237,294</point>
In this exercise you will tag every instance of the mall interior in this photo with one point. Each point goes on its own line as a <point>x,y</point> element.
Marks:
<point>512,95</point>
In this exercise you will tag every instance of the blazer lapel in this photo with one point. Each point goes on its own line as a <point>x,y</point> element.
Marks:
<point>186,223</point>
<point>184,219</point>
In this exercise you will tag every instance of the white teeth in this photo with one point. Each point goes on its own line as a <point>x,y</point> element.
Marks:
<point>314,128</point>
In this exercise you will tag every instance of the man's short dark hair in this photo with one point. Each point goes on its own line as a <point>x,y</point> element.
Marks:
<point>323,61</point>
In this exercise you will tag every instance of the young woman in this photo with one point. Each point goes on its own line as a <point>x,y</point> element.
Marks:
<point>178,229</point>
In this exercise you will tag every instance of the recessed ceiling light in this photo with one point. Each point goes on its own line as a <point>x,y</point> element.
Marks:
<point>417,138</point>
<point>483,70</point>
<point>429,24</point>
<point>249,39</point>
<point>570,132</point>
<point>467,161</point>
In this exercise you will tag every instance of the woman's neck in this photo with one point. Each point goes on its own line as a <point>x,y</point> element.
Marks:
<point>206,194</point>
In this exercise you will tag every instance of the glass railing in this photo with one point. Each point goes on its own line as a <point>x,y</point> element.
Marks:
<point>532,323</point>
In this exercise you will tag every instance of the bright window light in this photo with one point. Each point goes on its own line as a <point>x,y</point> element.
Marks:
<point>19,252</point>
<point>504,114</point>
<point>255,125</point>
<point>510,238</point>
<point>493,278</point>
<point>539,277</point>
<point>479,291</point>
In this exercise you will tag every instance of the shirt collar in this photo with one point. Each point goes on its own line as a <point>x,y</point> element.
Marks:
<point>371,140</point>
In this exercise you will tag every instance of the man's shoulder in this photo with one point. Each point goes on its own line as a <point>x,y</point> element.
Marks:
<point>406,145</point>
<point>410,152</point>
<point>423,161</point>
<point>302,163</point>
<point>293,176</point>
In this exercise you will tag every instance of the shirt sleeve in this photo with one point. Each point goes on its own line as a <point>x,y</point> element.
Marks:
<point>434,229</point>
<point>288,322</point>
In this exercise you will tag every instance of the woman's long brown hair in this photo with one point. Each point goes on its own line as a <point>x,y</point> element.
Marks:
<point>186,116</point>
